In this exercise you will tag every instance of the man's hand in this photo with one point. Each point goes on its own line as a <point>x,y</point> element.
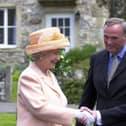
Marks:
<point>86,116</point>
<point>89,114</point>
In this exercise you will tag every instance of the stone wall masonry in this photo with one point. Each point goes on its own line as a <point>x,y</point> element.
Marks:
<point>29,18</point>
<point>91,22</point>
<point>11,57</point>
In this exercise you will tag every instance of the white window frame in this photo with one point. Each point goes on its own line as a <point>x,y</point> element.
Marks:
<point>63,15</point>
<point>5,28</point>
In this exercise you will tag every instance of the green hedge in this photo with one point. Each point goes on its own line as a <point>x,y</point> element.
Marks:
<point>15,77</point>
<point>72,88</point>
<point>75,59</point>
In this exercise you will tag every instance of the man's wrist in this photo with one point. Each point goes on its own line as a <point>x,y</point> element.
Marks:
<point>98,118</point>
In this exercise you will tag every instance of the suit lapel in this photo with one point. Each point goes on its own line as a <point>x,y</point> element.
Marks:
<point>104,67</point>
<point>121,66</point>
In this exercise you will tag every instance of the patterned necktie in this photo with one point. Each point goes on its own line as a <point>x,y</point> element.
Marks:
<point>113,68</point>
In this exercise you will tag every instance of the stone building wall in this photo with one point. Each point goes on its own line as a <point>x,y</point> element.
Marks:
<point>91,22</point>
<point>29,18</point>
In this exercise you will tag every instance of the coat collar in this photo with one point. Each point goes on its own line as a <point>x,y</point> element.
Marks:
<point>49,80</point>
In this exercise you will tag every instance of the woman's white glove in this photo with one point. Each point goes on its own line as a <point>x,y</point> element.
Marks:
<point>87,118</point>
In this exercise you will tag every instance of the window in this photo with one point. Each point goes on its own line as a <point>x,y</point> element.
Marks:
<point>65,22</point>
<point>7,28</point>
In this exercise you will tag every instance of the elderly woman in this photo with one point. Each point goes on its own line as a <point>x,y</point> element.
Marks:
<point>40,99</point>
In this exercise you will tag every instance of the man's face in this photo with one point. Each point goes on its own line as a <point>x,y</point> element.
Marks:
<point>114,38</point>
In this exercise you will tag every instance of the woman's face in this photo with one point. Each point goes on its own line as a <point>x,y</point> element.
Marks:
<point>48,59</point>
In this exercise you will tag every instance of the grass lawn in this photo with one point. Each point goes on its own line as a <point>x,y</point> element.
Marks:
<point>7,119</point>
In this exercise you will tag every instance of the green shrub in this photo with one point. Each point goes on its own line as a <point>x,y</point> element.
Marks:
<point>72,88</point>
<point>75,59</point>
<point>79,54</point>
<point>15,77</point>
<point>74,55</point>
<point>62,68</point>
<point>87,51</point>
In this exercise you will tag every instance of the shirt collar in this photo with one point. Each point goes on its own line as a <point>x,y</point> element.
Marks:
<point>121,53</point>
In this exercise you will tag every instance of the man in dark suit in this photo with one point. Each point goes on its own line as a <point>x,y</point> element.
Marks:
<point>109,95</point>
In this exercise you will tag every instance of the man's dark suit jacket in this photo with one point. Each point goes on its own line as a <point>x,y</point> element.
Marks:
<point>110,101</point>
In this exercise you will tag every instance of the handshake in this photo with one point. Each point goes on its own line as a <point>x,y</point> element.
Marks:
<point>85,116</point>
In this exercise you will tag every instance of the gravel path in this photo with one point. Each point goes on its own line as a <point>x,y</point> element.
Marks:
<point>6,107</point>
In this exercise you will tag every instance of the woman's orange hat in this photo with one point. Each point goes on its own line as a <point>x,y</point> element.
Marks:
<point>46,39</point>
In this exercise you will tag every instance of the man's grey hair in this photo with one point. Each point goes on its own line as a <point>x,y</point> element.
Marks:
<point>115,20</point>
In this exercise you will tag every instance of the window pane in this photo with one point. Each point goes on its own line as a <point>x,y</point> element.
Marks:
<point>61,29</point>
<point>11,16</point>
<point>1,17</point>
<point>53,21</point>
<point>1,36</point>
<point>67,31</point>
<point>60,22</point>
<point>67,22</point>
<point>11,36</point>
